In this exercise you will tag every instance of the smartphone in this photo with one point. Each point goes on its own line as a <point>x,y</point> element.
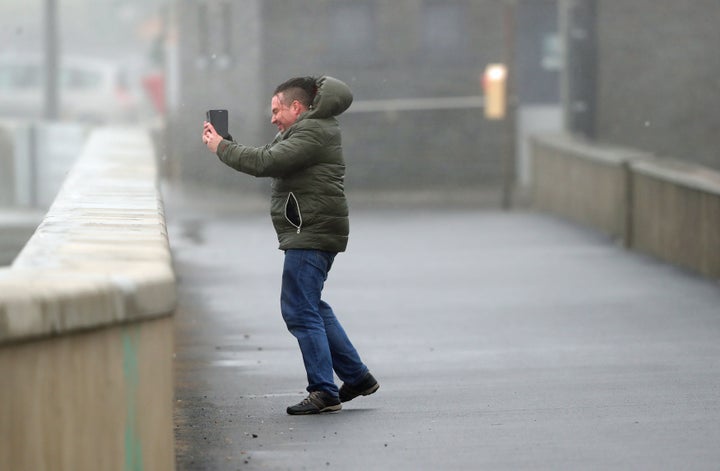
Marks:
<point>219,120</point>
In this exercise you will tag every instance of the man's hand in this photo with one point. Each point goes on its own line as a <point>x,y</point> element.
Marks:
<point>210,137</point>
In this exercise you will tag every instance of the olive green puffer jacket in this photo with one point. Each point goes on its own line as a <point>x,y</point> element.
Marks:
<point>308,205</point>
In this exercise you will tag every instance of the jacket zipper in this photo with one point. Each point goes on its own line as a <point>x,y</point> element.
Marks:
<point>297,208</point>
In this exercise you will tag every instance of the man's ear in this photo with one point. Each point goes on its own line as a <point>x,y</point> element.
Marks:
<point>297,107</point>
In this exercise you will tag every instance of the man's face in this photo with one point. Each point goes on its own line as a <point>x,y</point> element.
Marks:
<point>284,116</point>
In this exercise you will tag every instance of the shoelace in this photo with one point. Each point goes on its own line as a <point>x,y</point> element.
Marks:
<point>309,399</point>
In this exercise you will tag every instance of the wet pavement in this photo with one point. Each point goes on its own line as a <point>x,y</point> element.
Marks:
<point>500,340</point>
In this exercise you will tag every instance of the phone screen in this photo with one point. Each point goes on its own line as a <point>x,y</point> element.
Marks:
<point>219,120</point>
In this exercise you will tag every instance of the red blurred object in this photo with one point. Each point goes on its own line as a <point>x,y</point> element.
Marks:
<point>155,88</point>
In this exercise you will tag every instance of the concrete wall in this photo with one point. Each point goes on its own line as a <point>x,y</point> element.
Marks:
<point>34,160</point>
<point>89,401</point>
<point>582,181</point>
<point>86,337</point>
<point>662,207</point>
<point>657,77</point>
<point>677,214</point>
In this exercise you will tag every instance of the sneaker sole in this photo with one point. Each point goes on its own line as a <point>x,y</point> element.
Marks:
<point>374,388</point>
<point>324,410</point>
<point>331,409</point>
<point>367,392</point>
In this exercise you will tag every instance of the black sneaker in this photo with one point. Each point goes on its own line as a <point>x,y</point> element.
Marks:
<point>367,386</point>
<point>316,403</point>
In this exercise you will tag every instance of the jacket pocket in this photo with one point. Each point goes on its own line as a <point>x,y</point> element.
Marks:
<point>292,211</point>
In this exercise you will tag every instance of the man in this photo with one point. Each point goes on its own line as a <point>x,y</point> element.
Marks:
<point>310,215</point>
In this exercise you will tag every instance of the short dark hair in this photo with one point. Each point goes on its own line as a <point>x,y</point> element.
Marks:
<point>302,89</point>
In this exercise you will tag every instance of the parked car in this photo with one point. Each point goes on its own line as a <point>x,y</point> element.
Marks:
<point>90,90</point>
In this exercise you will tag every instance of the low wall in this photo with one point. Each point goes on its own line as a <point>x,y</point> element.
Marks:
<point>665,208</point>
<point>582,182</point>
<point>86,336</point>
<point>677,214</point>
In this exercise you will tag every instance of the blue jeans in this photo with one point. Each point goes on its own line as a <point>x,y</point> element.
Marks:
<point>324,345</point>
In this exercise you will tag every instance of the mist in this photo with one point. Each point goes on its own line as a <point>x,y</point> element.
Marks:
<point>639,75</point>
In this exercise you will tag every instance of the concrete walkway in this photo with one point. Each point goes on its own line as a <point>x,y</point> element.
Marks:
<point>501,341</point>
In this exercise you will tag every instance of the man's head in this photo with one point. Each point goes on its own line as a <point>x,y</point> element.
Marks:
<point>290,99</point>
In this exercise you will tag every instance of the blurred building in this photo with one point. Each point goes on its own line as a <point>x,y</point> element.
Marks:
<point>645,74</point>
<point>414,67</point>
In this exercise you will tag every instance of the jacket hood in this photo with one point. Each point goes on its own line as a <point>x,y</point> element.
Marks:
<point>332,99</point>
